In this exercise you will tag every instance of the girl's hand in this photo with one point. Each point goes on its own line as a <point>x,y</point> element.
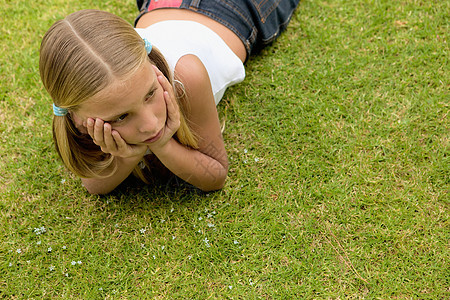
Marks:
<point>110,140</point>
<point>173,112</point>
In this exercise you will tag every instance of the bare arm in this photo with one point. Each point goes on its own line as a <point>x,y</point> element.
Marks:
<point>207,167</point>
<point>193,166</point>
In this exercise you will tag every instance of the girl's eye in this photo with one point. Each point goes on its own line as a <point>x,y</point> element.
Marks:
<point>120,119</point>
<point>150,95</point>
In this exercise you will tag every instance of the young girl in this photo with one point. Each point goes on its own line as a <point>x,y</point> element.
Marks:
<point>144,100</point>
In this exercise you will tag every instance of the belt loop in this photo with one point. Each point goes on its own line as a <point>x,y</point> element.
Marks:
<point>195,4</point>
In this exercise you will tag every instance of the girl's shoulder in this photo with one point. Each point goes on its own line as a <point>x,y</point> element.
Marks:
<point>195,79</point>
<point>200,108</point>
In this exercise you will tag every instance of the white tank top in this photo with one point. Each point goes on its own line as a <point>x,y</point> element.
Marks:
<point>176,38</point>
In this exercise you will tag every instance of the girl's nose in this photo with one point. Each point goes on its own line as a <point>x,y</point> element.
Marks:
<point>148,122</point>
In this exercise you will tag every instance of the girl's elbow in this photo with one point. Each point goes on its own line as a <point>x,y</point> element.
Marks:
<point>215,187</point>
<point>217,183</point>
<point>95,191</point>
<point>94,188</point>
<point>98,192</point>
<point>212,188</point>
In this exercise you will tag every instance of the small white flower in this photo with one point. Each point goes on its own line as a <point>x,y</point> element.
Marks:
<point>64,247</point>
<point>28,261</point>
<point>200,218</point>
<point>207,242</point>
<point>172,210</point>
<point>245,151</point>
<point>38,242</point>
<point>173,237</point>
<point>142,230</point>
<point>100,289</point>
<point>162,247</point>
<point>10,264</point>
<point>49,249</point>
<point>251,282</point>
<point>209,216</point>
<point>235,242</point>
<point>230,287</point>
<point>256,159</point>
<point>211,225</point>
<point>40,230</point>
<point>162,220</point>
<point>79,262</point>
<point>245,161</point>
<point>66,274</point>
<point>73,263</point>
<point>154,257</point>
<point>51,268</point>
<point>190,257</point>
<point>19,251</point>
<point>63,181</point>
<point>117,225</point>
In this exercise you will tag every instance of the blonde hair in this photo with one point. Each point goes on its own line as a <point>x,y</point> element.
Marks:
<point>79,57</point>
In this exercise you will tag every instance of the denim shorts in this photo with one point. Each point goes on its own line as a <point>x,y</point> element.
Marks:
<point>256,22</point>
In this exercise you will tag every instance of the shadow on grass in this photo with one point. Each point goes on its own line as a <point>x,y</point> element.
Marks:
<point>156,198</point>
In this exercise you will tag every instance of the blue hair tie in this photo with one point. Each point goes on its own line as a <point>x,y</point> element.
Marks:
<point>58,111</point>
<point>148,46</point>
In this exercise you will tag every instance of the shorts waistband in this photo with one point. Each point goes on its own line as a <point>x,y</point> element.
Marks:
<point>256,22</point>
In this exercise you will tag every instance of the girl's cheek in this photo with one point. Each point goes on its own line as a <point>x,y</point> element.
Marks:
<point>124,134</point>
<point>79,123</point>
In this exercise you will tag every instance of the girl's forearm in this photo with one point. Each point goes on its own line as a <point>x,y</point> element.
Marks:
<point>193,166</point>
<point>105,185</point>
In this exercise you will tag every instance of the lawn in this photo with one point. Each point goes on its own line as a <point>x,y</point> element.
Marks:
<point>338,141</point>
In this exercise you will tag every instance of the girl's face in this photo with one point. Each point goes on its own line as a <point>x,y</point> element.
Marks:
<point>135,107</point>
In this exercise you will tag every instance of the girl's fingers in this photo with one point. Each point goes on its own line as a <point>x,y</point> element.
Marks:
<point>171,102</point>
<point>119,141</point>
<point>165,83</point>
<point>109,141</point>
<point>101,134</point>
<point>173,113</point>
<point>171,105</point>
<point>98,132</point>
<point>167,87</point>
<point>90,127</point>
<point>163,80</point>
<point>157,71</point>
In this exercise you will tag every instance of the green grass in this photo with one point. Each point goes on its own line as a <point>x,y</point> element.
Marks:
<point>338,142</point>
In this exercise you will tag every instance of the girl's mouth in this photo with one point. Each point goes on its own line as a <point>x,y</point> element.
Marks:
<point>154,138</point>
